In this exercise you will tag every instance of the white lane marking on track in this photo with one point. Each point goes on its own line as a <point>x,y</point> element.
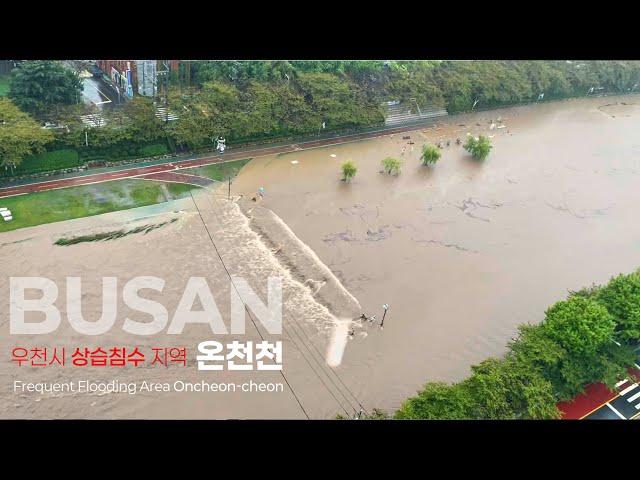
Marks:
<point>628,389</point>
<point>631,399</point>
<point>616,411</point>
<point>621,382</point>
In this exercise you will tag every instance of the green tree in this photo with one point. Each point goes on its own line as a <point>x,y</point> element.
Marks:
<point>20,135</point>
<point>349,170</point>
<point>141,120</point>
<point>621,297</point>
<point>437,401</point>
<point>38,86</point>
<point>430,154</point>
<point>579,324</point>
<point>508,389</point>
<point>391,165</point>
<point>479,147</point>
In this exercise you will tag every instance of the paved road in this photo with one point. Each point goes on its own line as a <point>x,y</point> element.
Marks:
<point>170,166</point>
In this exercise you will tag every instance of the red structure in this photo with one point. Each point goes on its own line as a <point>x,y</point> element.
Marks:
<point>124,73</point>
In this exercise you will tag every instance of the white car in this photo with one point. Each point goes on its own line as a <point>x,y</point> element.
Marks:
<point>6,214</point>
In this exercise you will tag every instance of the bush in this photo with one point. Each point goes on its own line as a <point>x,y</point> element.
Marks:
<point>479,147</point>
<point>349,170</point>
<point>391,165</point>
<point>154,150</point>
<point>430,154</point>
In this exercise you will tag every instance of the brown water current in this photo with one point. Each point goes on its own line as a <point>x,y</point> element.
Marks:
<point>462,251</point>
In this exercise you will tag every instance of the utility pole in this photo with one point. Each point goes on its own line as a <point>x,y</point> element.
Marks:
<point>385,307</point>
<point>229,194</point>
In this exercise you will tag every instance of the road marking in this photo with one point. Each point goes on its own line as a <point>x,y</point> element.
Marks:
<point>622,382</point>
<point>631,399</point>
<point>616,412</point>
<point>628,389</point>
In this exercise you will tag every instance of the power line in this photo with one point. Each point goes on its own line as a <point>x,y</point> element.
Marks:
<point>246,309</point>
<point>320,364</point>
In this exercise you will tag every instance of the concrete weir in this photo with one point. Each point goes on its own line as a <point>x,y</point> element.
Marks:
<point>306,268</point>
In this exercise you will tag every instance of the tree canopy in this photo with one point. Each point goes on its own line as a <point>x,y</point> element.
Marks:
<point>40,85</point>
<point>20,135</point>
<point>546,363</point>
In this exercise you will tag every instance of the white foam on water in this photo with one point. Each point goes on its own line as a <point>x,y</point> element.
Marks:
<point>302,305</point>
<point>338,343</point>
<point>319,263</point>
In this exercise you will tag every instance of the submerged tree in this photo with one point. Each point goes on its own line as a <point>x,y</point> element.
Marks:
<point>349,170</point>
<point>391,165</point>
<point>479,147</point>
<point>430,154</point>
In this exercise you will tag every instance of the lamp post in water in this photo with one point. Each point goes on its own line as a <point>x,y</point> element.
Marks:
<point>385,307</point>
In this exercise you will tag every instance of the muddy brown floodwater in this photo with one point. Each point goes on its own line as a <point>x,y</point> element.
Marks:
<point>462,252</point>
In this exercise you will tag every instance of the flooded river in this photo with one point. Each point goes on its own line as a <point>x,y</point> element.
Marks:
<point>461,251</point>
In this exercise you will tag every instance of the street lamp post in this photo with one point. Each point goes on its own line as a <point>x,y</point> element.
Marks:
<point>385,307</point>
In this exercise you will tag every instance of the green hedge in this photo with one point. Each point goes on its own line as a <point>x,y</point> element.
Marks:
<point>124,151</point>
<point>47,161</point>
<point>154,150</point>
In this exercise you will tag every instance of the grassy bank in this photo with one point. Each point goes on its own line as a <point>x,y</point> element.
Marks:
<point>87,200</point>
<point>220,171</point>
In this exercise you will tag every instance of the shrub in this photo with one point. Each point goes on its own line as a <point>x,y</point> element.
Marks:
<point>47,161</point>
<point>479,147</point>
<point>349,170</point>
<point>430,154</point>
<point>391,165</point>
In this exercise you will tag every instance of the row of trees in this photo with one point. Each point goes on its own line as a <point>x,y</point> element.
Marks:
<point>589,337</point>
<point>455,85</point>
<point>478,147</point>
<point>251,100</point>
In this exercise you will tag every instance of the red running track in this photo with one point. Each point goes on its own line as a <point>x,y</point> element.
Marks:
<point>594,396</point>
